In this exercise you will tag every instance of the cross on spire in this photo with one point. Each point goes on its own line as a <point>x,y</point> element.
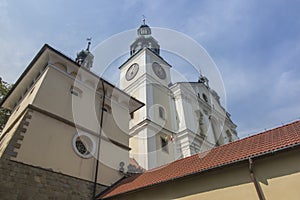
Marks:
<point>144,20</point>
<point>89,43</point>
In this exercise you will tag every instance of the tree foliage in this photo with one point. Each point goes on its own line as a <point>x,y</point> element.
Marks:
<point>4,113</point>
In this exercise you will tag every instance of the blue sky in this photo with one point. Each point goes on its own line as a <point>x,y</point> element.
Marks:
<point>255,44</point>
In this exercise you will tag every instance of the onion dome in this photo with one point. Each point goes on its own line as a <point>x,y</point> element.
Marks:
<point>144,40</point>
<point>85,57</point>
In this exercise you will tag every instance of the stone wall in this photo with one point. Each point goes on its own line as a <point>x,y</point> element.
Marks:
<point>21,181</point>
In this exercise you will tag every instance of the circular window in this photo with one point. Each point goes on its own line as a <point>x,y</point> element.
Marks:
<point>83,145</point>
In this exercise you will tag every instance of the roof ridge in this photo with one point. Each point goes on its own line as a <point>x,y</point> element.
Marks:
<point>224,145</point>
<point>276,126</point>
<point>264,132</point>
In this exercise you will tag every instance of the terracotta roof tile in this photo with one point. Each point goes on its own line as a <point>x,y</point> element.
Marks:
<point>268,141</point>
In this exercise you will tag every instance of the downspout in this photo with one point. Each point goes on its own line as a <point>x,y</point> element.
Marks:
<point>255,182</point>
<point>99,141</point>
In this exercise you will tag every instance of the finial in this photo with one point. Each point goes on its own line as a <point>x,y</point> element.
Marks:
<point>89,43</point>
<point>144,20</point>
<point>204,80</point>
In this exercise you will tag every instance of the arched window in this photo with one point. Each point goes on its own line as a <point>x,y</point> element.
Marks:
<point>164,144</point>
<point>75,75</point>
<point>61,66</point>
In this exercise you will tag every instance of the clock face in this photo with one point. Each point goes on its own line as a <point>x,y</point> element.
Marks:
<point>132,71</point>
<point>159,70</point>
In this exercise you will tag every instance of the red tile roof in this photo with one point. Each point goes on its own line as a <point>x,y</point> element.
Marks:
<point>256,145</point>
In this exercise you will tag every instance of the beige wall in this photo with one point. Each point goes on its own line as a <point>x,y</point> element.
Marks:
<point>233,183</point>
<point>279,178</point>
<point>48,144</point>
<point>27,99</point>
<point>55,96</point>
<point>279,175</point>
<point>48,140</point>
<point>18,114</point>
<point>116,123</point>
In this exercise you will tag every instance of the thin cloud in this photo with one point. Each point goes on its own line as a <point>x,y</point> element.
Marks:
<point>255,44</point>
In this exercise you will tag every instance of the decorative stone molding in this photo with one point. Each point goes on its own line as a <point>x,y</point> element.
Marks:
<point>18,136</point>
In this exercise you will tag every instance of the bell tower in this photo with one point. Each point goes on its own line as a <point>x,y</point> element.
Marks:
<point>143,40</point>
<point>146,76</point>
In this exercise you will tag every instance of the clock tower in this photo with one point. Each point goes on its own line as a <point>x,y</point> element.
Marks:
<point>179,119</point>
<point>146,76</point>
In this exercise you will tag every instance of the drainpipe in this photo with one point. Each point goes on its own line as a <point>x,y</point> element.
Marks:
<point>255,182</point>
<point>99,141</point>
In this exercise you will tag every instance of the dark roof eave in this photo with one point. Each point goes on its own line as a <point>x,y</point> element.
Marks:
<point>44,48</point>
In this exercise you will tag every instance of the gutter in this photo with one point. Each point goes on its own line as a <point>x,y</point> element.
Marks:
<point>99,141</point>
<point>37,56</point>
<point>255,182</point>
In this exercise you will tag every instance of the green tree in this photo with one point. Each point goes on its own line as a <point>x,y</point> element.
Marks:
<point>4,113</point>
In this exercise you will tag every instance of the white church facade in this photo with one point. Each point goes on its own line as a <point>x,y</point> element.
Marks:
<point>179,119</point>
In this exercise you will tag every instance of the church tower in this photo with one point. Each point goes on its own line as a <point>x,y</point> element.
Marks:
<point>178,119</point>
<point>146,76</point>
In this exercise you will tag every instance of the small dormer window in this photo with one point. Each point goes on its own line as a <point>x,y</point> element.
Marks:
<point>161,112</point>
<point>76,91</point>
